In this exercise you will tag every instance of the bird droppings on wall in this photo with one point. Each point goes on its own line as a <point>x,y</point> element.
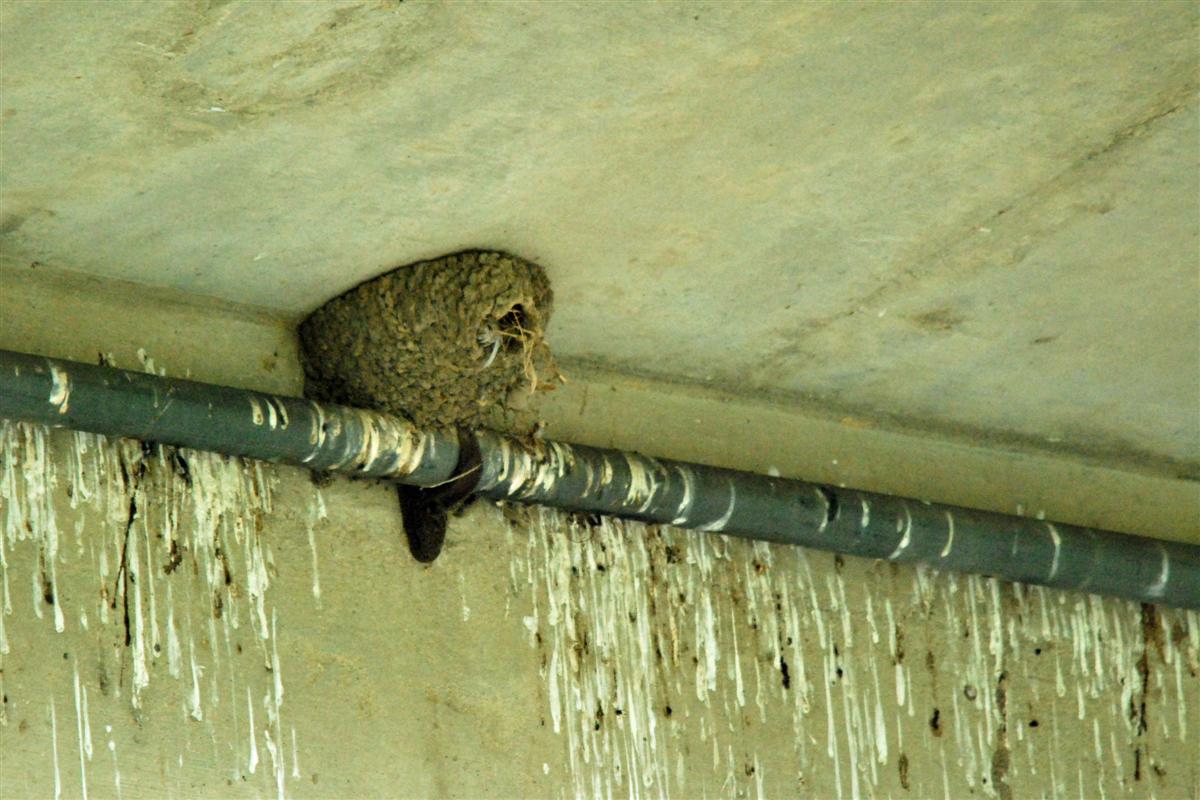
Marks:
<point>316,513</point>
<point>672,662</point>
<point>168,572</point>
<point>650,639</point>
<point>459,340</point>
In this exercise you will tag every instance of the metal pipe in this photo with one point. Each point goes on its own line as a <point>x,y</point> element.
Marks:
<point>289,430</point>
<point>578,478</point>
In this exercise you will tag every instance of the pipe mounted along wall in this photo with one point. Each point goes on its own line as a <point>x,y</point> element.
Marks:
<point>369,444</point>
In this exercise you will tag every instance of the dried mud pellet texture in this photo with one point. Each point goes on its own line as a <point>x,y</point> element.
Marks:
<point>444,342</point>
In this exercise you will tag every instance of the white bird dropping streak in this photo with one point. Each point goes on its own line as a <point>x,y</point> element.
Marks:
<point>195,707</point>
<point>949,535</point>
<point>252,757</point>
<point>295,756</point>
<point>462,588</point>
<point>79,732</point>
<point>906,539</point>
<point>276,669</point>
<point>317,513</point>
<point>54,749</point>
<point>112,749</point>
<point>87,727</point>
<point>685,502</point>
<point>1057,540</point>
<point>719,524</point>
<point>621,612</point>
<point>174,653</point>
<point>1159,586</point>
<point>881,744</point>
<point>60,389</point>
<point>825,514</point>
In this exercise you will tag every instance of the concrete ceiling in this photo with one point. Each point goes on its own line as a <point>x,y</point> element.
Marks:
<point>984,217</point>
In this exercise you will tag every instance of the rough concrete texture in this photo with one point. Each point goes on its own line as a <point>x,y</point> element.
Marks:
<point>208,627</point>
<point>976,219</point>
<point>448,680</point>
<point>444,342</point>
<point>980,218</point>
<point>79,317</point>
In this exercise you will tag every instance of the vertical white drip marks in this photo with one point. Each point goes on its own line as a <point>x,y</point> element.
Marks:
<point>295,756</point>
<point>623,637</point>
<point>112,750</point>
<point>316,513</point>
<point>84,747</point>
<point>162,536</point>
<point>611,600</point>
<point>87,727</point>
<point>54,750</point>
<point>252,735</point>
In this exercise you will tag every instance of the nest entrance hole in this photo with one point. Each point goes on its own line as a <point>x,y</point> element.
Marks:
<point>513,330</point>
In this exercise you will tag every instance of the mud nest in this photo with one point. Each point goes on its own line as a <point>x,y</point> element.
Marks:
<point>459,340</point>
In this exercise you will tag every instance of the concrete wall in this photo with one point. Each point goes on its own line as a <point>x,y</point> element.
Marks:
<point>976,219</point>
<point>177,622</point>
<point>934,250</point>
<point>68,315</point>
<point>281,640</point>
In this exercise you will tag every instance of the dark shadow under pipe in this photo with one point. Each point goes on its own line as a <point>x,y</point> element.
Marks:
<point>369,444</point>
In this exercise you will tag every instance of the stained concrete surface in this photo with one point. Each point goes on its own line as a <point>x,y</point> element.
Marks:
<point>66,315</point>
<point>447,681</point>
<point>935,159</point>
<point>977,218</point>
<point>539,657</point>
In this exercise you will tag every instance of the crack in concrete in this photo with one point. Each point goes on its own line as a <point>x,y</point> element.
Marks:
<point>952,248</point>
<point>1137,129</point>
<point>1169,102</point>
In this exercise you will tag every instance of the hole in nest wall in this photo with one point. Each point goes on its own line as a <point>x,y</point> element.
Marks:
<point>510,333</point>
<point>513,329</point>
